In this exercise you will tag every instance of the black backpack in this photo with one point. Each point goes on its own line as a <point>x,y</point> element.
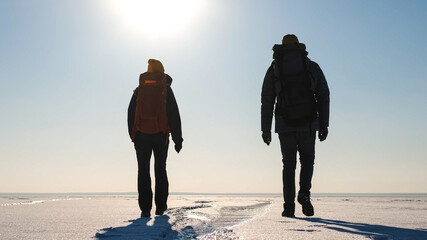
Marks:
<point>296,101</point>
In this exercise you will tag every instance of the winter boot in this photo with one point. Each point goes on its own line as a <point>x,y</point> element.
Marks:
<point>289,209</point>
<point>145,214</point>
<point>307,208</point>
<point>160,211</point>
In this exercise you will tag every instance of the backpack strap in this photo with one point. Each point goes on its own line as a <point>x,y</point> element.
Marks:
<point>277,81</point>
<point>135,92</point>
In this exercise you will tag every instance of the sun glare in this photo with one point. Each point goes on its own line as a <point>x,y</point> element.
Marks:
<point>157,17</point>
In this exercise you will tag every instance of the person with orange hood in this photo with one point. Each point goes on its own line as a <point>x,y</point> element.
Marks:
<point>153,114</point>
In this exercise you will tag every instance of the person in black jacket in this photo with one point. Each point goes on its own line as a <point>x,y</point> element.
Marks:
<point>146,144</point>
<point>294,137</point>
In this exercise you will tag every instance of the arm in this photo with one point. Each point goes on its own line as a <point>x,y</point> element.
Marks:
<point>174,118</point>
<point>268,98</point>
<point>322,95</point>
<point>131,112</point>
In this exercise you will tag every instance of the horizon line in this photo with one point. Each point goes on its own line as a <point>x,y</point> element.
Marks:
<point>207,193</point>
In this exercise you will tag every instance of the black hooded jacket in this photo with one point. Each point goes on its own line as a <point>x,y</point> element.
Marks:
<point>270,91</point>
<point>172,112</point>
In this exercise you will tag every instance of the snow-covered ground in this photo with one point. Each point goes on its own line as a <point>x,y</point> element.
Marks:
<point>209,217</point>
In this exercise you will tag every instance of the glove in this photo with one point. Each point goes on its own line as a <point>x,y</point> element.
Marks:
<point>178,147</point>
<point>323,133</point>
<point>266,136</point>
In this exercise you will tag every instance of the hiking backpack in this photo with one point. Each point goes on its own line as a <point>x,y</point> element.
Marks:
<point>296,101</point>
<point>150,114</point>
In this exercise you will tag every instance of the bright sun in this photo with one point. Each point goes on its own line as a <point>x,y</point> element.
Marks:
<point>157,16</point>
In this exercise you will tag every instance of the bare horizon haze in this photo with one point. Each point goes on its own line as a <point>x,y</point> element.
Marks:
<point>68,70</point>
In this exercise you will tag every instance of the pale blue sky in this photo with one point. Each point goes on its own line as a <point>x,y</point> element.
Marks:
<point>68,68</point>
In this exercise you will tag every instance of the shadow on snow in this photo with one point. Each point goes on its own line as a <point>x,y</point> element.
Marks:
<point>377,232</point>
<point>142,229</point>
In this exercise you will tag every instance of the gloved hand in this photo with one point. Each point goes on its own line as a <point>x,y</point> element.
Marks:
<point>323,133</point>
<point>178,147</point>
<point>266,136</point>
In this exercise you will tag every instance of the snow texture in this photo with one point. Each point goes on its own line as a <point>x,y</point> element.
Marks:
<point>208,217</point>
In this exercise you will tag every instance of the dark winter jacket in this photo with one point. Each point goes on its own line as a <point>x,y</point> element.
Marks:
<point>172,112</point>
<point>270,90</point>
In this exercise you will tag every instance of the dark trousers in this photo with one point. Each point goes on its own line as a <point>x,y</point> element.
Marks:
<point>145,144</point>
<point>290,144</point>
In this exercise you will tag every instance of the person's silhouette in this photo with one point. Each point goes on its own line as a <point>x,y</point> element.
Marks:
<point>296,89</point>
<point>153,114</point>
